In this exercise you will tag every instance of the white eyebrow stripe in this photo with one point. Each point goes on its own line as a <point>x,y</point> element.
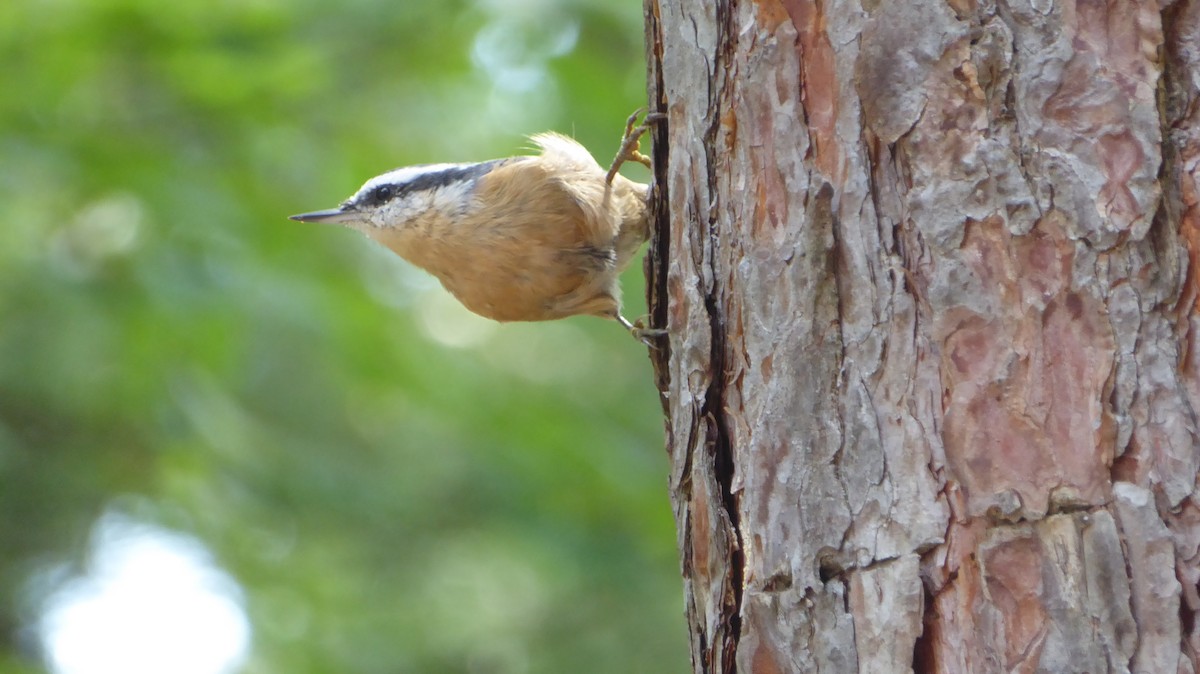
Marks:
<point>406,174</point>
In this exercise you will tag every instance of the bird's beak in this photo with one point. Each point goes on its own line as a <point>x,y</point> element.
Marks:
<point>334,215</point>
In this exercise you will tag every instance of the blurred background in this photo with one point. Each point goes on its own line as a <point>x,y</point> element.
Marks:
<point>230,442</point>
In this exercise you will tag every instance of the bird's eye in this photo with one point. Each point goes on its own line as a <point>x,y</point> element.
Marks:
<point>383,193</point>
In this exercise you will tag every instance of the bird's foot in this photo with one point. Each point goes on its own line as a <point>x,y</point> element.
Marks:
<point>631,142</point>
<point>643,334</point>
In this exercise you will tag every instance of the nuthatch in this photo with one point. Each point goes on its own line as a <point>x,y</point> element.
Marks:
<point>528,238</point>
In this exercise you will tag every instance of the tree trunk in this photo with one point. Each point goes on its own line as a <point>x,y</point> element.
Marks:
<point>929,273</point>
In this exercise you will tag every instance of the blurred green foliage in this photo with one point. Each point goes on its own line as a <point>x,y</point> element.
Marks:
<point>397,485</point>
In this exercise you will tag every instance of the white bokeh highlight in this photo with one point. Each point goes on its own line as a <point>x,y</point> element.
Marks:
<point>153,601</point>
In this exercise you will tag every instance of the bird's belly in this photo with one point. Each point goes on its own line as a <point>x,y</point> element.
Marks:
<point>530,287</point>
<point>523,283</point>
<point>516,298</point>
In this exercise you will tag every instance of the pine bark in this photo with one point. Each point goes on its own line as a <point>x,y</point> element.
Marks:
<point>929,275</point>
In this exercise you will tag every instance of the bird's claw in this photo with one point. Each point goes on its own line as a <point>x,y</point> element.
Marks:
<point>640,332</point>
<point>631,146</point>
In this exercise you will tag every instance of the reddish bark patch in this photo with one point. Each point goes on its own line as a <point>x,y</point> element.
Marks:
<point>764,660</point>
<point>820,87</point>
<point>1120,158</point>
<point>1025,412</point>
<point>1013,579</point>
<point>1189,231</point>
<point>1189,221</point>
<point>956,642</point>
<point>700,528</point>
<point>818,78</point>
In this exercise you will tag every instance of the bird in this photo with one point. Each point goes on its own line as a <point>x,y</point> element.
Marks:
<point>525,238</point>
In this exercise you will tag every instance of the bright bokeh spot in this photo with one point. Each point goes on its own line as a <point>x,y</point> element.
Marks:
<point>152,602</point>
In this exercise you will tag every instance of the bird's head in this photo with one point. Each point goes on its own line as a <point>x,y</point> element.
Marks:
<point>402,196</point>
